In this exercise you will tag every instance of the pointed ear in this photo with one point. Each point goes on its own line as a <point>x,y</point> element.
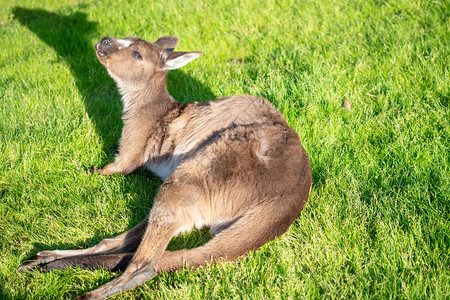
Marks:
<point>167,42</point>
<point>175,60</point>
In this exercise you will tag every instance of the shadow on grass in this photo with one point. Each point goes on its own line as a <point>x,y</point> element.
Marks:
<point>71,37</point>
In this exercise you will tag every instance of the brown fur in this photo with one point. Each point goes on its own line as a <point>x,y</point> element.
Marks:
<point>233,165</point>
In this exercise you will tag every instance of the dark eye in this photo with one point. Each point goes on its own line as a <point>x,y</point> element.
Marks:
<point>137,55</point>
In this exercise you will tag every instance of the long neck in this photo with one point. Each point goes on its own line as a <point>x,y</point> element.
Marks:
<point>153,98</point>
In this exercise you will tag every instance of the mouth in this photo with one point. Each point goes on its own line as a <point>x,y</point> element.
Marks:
<point>100,54</point>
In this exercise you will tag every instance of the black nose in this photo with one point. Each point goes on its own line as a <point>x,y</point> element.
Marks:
<point>107,41</point>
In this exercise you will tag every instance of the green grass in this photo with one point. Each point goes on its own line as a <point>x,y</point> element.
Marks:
<point>377,221</point>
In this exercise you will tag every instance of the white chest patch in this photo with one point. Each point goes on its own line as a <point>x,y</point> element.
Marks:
<point>164,168</point>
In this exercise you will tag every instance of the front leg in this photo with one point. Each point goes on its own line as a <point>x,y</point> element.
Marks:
<point>126,162</point>
<point>131,153</point>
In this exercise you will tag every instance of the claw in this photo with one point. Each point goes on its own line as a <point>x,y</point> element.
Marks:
<point>94,170</point>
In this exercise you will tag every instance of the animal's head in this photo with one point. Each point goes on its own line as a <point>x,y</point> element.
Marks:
<point>132,62</point>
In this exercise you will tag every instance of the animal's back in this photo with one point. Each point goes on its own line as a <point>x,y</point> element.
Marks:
<point>199,123</point>
<point>254,159</point>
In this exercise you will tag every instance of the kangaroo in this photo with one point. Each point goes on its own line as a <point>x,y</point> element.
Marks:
<point>232,165</point>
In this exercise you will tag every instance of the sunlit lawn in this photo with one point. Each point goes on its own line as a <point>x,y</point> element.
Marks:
<point>377,221</point>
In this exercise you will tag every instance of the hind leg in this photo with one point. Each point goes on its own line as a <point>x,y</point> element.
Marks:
<point>143,266</point>
<point>165,219</point>
<point>112,262</point>
<point>239,238</point>
<point>246,233</point>
<point>120,244</point>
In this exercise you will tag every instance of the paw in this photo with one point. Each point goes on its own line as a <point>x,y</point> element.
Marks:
<point>106,171</point>
<point>94,170</point>
<point>39,259</point>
